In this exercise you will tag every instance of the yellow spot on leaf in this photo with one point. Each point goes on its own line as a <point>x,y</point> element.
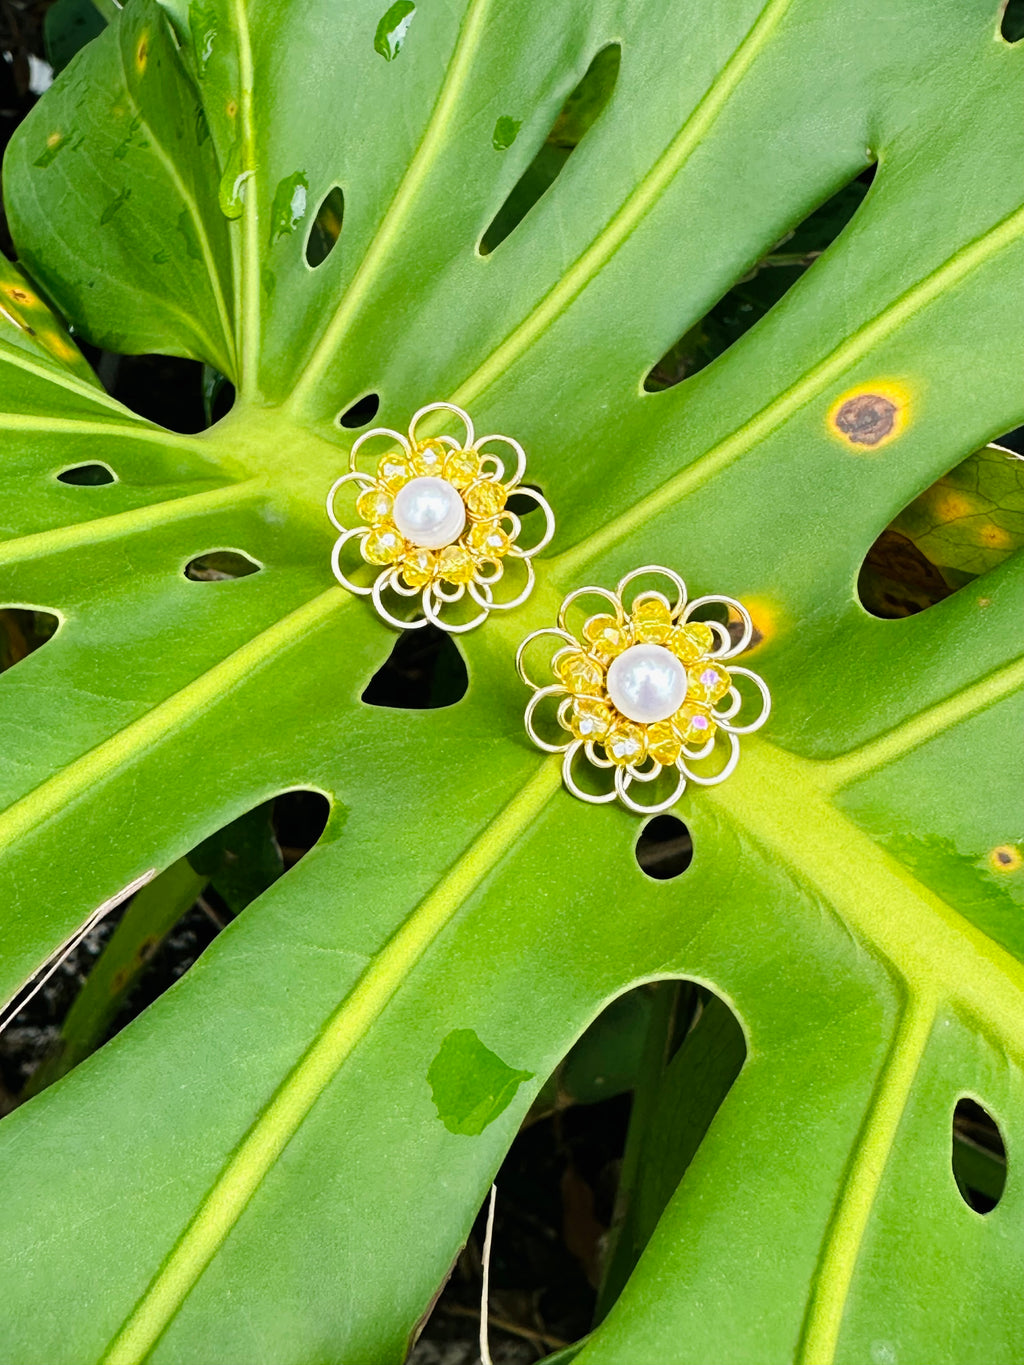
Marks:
<point>871,415</point>
<point>995,537</point>
<point>766,617</point>
<point>54,140</point>
<point>142,53</point>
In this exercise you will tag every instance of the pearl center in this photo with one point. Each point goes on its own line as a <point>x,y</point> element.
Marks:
<point>647,683</point>
<point>429,512</point>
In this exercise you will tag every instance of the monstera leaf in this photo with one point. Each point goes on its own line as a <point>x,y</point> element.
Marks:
<point>279,1160</point>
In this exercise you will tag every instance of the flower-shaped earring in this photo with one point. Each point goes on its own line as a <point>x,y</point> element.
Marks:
<point>435,521</point>
<point>646,690</point>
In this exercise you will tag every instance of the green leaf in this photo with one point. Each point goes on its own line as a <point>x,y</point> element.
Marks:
<point>255,1168</point>
<point>67,26</point>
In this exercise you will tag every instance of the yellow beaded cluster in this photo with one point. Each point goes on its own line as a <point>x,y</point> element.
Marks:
<point>483,542</point>
<point>584,672</point>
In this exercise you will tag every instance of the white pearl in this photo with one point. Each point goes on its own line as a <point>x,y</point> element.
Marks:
<point>647,683</point>
<point>429,512</point>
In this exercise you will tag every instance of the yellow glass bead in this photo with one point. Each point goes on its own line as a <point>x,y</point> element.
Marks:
<point>708,682</point>
<point>394,470</point>
<point>652,621</point>
<point>489,539</point>
<point>428,459</point>
<point>580,673</point>
<point>590,719</point>
<point>607,638</point>
<point>626,743</point>
<point>418,567</point>
<point>374,504</point>
<point>693,724</point>
<point>485,498</point>
<point>461,467</point>
<point>455,564</point>
<point>383,545</point>
<point>691,642</point>
<point>663,744</point>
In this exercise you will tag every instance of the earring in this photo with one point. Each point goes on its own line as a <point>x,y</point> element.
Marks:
<point>644,692</point>
<point>435,522</point>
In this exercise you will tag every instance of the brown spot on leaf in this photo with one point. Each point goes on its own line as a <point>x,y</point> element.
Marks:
<point>866,419</point>
<point>1005,858</point>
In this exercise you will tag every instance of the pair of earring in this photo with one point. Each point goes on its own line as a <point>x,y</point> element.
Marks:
<point>643,691</point>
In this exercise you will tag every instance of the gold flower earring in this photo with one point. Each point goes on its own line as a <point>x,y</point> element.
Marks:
<point>646,689</point>
<point>433,517</point>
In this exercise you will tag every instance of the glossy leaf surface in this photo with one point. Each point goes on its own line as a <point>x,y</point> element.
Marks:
<point>256,1168</point>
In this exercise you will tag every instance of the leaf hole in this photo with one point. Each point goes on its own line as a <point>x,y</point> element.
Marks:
<point>763,286</point>
<point>1012,26</point>
<point>424,671</point>
<point>665,848</point>
<point>979,1156</point>
<point>326,227</point>
<point>967,523</point>
<point>87,475</point>
<point>362,411</point>
<point>218,395</point>
<point>580,111</point>
<point>137,951</point>
<point>23,630</point>
<point>217,566</point>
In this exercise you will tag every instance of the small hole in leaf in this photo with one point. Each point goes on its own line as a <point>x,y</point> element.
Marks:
<point>577,115</point>
<point>142,947</point>
<point>760,289</point>
<point>1012,27</point>
<point>967,523</point>
<point>326,229</point>
<point>23,630</point>
<point>87,475</point>
<point>664,849</point>
<point>424,670</point>
<point>363,410</point>
<point>979,1156</point>
<point>217,565</point>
